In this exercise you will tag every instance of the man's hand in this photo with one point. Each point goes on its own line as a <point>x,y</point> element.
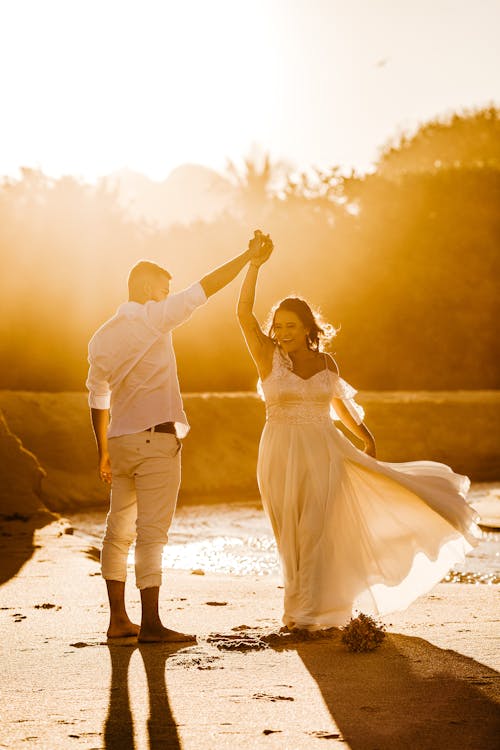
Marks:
<point>260,248</point>
<point>105,468</point>
<point>258,251</point>
<point>255,244</point>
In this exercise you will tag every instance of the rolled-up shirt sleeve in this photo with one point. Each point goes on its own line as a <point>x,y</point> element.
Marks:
<point>98,386</point>
<point>176,308</point>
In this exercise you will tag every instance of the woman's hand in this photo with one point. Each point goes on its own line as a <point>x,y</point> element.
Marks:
<point>260,247</point>
<point>370,448</point>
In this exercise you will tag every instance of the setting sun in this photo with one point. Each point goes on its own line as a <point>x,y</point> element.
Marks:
<point>101,85</point>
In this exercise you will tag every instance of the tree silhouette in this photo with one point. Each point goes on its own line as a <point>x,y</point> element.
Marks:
<point>257,182</point>
<point>468,139</point>
<point>405,260</point>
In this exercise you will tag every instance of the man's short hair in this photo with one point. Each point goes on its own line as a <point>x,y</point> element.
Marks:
<point>145,270</point>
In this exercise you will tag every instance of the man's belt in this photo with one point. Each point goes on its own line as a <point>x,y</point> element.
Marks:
<point>163,427</point>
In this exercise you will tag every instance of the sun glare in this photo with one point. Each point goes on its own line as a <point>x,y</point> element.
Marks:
<point>90,87</point>
<point>161,83</point>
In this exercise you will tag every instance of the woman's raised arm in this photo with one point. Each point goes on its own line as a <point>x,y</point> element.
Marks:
<point>260,346</point>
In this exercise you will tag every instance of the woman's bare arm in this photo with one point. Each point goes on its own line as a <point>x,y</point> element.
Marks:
<point>260,346</point>
<point>361,431</point>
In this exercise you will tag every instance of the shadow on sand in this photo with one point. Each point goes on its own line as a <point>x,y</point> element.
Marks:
<point>407,694</point>
<point>119,726</point>
<point>17,540</point>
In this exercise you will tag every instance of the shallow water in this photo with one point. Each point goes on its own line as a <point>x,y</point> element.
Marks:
<point>233,538</point>
<point>236,538</point>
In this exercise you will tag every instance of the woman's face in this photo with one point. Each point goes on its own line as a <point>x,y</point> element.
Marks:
<point>289,331</point>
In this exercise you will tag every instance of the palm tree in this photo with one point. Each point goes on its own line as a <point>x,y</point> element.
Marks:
<point>257,182</point>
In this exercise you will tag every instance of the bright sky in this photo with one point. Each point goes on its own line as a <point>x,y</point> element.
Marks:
<point>90,86</point>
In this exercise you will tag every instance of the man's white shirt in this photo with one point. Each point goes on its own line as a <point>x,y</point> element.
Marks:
<point>133,371</point>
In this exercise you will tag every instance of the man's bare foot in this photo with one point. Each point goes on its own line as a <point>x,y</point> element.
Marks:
<point>123,628</point>
<point>164,635</point>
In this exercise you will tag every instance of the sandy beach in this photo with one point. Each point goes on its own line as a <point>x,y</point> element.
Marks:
<point>432,684</point>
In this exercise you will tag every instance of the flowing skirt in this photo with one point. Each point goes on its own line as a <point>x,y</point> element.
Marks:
<point>355,534</point>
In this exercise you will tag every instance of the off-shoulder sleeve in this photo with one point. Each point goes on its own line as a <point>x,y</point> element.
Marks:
<point>346,393</point>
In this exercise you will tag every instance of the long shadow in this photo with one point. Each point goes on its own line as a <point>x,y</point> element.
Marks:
<point>407,694</point>
<point>119,726</point>
<point>16,540</point>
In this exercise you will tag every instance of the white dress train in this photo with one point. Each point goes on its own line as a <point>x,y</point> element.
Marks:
<point>354,534</point>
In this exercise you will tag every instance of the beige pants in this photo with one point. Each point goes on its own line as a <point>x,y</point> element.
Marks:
<point>146,470</point>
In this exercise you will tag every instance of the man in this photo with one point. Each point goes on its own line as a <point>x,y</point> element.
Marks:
<point>133,378</point>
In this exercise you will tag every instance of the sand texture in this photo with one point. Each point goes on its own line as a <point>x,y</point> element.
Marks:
<point>433,683</point>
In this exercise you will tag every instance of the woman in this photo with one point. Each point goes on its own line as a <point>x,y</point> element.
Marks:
<point>353,533</point>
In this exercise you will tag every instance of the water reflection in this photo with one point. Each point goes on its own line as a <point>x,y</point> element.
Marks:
<point>236,538</point>
<point>225,554</point>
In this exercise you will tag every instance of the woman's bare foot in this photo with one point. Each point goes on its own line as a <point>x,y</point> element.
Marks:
<point>122,628</point>
<point>160,634</point>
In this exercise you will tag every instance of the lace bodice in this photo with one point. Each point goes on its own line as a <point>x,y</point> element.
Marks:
<point>295,400</point>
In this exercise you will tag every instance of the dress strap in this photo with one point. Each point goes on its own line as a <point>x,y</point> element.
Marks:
<point>326,361</point>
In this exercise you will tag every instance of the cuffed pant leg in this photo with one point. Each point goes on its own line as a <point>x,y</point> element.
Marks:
<point>120,522</point>
<point>157,485</point>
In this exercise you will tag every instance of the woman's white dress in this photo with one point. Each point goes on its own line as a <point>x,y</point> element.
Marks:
<point>354,534</point>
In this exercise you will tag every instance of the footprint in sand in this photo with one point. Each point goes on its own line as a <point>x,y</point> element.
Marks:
<point>46,605</point>
<point>326,735</point>
<point>236,642</point>
<point>273,698</point>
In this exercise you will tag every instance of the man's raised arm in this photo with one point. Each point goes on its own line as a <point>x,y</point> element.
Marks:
<point>223,275</point>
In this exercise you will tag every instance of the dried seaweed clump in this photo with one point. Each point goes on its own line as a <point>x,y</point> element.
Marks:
<point>362,634</point>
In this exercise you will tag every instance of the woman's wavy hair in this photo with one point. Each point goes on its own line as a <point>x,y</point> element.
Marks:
<point>319,334</point>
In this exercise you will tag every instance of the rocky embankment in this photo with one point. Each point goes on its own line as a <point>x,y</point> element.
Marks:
<point>50,433</point>
<point>22,509</point>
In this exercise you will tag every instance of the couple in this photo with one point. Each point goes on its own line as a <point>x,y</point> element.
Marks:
<point>353,533</point>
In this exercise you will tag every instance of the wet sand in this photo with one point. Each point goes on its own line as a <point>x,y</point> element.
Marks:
<point>432,684</point>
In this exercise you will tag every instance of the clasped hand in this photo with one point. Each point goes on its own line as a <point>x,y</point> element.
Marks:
<point>260,248</point>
